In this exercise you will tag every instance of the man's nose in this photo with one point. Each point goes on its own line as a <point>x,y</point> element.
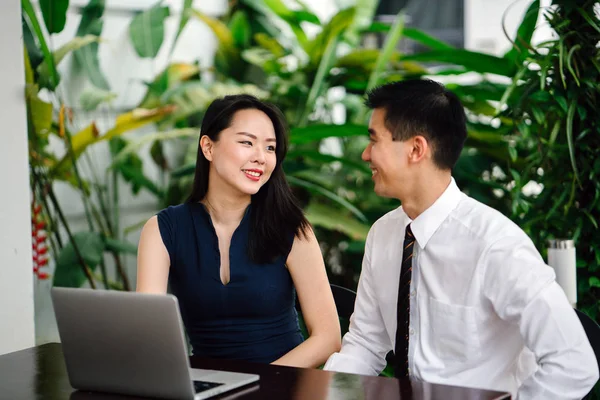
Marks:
<point>366,154</point>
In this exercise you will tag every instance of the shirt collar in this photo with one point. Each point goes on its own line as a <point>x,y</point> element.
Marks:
<point>425,225</point>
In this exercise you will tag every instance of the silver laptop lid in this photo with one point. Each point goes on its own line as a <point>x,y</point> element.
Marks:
<point>123,342</point>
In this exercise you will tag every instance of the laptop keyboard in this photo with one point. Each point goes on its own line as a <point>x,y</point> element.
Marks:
<point>202,386</point>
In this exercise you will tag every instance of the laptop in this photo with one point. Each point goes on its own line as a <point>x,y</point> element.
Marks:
<point>132,344</point>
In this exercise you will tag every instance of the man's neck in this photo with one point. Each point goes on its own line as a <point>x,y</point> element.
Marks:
<point>425,194</point>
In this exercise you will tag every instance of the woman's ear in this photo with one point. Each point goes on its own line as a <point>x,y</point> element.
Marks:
<point>206,145</point>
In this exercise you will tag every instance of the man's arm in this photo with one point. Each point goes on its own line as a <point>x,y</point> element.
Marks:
<point>366,344</point>
<point>522,289</point>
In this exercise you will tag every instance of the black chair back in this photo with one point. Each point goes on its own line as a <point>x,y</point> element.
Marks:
<point>344,300</point>
<point>344,303</point>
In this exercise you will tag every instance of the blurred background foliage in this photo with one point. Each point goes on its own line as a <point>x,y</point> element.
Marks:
<point>531,153</point>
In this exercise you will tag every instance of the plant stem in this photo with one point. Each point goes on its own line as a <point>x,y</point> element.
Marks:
<point>121,271</point>
<point>86,269</point>
<point>69,146</point>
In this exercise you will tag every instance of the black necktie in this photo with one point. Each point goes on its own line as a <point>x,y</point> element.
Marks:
<point>401,349</point>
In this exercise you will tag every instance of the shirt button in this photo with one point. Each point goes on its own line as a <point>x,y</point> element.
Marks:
<point>411,331</point>
<point>413,293</point>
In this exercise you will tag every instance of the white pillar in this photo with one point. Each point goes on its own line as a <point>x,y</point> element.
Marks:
<point>16,269</point>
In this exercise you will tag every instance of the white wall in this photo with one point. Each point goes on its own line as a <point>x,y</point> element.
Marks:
<point>484,24</point>
<point>16,269</point>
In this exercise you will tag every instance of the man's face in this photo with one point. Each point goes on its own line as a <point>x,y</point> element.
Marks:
<point>387,158</point>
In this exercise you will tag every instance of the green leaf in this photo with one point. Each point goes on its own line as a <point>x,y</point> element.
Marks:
<point>69,272</point>
<point>293,18</point>
<point>134,146</point>
<point>333,218</point>
<point>120,246</point>
<point>33,52</point>
<point>147,31</point>
<point>270,44</point>
<point>185,17</point>
<point>594,281</point>
<point>391,42</point>
<point>131,168</point>
<point>318,132</point>
<point>570,63</point>
<point>326,158</point>
<point>40,112</point>
<point>318,85</point>
<point>53,76</point>
<point>92,97</point>
<point>86,58</point>
<point>228,57</point>
<point>74,44</point>
<point>426,40</point>
<point>570,116</point>
<point>240,29</point>
<point>331,32</point>
<point>513,156</point>
<point>473,61</point>
<point>124,123</point>
<point>158,155</point>
<point>385,55</point>
<point>522,42</point>
<point>482,91</point>
<point>317,189</point>
<point>365,10</point>
<point>55,14</point>
<point>262,58</point>
<point>184,170</point>
<point>363,59</point>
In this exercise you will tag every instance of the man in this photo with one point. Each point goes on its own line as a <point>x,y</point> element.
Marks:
<point>454,288</point>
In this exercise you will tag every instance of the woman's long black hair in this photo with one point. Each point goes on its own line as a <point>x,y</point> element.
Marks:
<point>275,213</point>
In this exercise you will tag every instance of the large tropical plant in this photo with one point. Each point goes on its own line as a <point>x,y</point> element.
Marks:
<point>554,102</point>
<point>59,151</point>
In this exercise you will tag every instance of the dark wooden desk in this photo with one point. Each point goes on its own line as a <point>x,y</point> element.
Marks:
<point>40,373</point>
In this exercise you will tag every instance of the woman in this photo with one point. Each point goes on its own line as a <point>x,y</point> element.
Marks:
<point>235,251</point>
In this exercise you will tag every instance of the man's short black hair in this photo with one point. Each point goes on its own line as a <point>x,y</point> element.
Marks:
<point>423,107</point>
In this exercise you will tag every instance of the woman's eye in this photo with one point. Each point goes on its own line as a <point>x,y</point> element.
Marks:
<point>271,148</point>
<point>246,142</point>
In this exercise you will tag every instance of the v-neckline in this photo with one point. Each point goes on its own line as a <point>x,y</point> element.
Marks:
<point>215,238</point>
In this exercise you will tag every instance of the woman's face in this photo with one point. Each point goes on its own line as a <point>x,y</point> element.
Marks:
<point>243,157</point>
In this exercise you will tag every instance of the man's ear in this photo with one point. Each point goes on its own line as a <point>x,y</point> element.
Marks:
<point>207,146</point>
<point>420,148</point>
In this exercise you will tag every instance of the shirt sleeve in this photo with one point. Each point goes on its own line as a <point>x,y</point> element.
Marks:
<point>166,226</point>
<point>522,290</point>
<point>366,344</point>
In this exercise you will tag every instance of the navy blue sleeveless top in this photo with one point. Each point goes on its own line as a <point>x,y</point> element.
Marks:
<point>253,317</point>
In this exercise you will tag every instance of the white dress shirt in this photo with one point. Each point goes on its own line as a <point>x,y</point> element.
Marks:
<point>485,310</point>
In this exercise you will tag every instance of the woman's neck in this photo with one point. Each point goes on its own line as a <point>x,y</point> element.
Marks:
<point>226,210</point>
